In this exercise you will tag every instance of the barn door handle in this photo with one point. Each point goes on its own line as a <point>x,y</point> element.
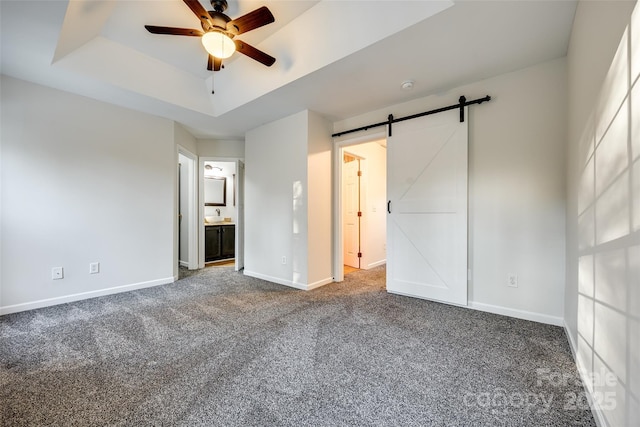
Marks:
<point>389,206</point>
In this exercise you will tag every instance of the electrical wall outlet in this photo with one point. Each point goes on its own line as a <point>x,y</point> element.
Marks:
<point>57,273</point>
<point>94,268</point>
<point>512,280</point>
<point>284,260</point>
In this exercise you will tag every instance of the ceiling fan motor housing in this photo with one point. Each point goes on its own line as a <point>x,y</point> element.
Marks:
<point>219,5</point>
<point>219,22</point>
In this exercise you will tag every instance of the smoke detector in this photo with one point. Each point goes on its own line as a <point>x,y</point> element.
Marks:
<point>407,85</point>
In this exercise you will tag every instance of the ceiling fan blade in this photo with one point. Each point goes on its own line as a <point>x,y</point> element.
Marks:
<point>214,64</point>
<point>173,31</point>
<point>200,12</point>
<point>254,53</point>
<point>250,21</point>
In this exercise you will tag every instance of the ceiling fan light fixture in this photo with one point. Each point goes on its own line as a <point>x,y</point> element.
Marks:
<point>219,31</point>
<point>218,44</point>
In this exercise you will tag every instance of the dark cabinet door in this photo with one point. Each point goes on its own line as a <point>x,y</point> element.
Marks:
<point>219,242</point>
<point>212,243</point>
<point>228,241</point>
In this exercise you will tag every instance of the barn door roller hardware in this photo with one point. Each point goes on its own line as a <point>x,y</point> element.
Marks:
<point>462,102</point>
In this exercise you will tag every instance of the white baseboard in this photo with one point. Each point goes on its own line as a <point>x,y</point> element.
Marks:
<point>319,283</point>
<point>291,284</point>
<point>572,345</point>
<point>519,314</point>
<point>272,279</point>
<point>376,264</point>
<point>583,372</point>
<point>183,264</point>
<point>82,296</point>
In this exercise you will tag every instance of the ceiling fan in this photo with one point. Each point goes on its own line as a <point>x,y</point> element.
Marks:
<point>219,31</point>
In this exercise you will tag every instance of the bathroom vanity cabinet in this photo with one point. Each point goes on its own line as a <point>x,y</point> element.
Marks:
<point>219,242</point>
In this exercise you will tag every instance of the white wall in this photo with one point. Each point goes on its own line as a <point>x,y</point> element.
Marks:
<point>185,139</point>
<point>516,187</point>
<point>82,181</point>
<point>319,178</point>
<point>597,29</point>
<point>603,250</point>
<point>517,193</point>
<point>374,200</point>
<point>287,216</point>
<point>275,200</point>
<point>221,148</point>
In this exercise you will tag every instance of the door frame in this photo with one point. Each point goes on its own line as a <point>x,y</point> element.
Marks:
<point>192,214</point>
<point>239,221</point>
<point>238,193</point>
<point>338,150</point>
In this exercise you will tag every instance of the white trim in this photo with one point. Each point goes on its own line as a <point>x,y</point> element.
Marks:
<point>572,345</point>
<point>84,295</point>
<point>238,194</point>
<point>288,283</point>
<point>519,314</point>
<point>582,371</point>
<point>183,264</point>
<point>411,295</point>
<point>319,283</point>
<point>192,215</point>
<point>375,264</point>
<point>338,256</point>
<point>275,280</point>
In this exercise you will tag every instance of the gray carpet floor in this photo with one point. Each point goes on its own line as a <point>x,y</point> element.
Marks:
<point>217,348</point>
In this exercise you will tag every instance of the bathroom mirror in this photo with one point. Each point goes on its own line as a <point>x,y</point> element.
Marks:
<point>215,191</point>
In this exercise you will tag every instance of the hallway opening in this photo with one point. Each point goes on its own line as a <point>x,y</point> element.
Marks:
<point>363,197</point>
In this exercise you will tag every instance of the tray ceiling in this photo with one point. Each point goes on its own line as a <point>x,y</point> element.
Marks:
<point>338,57</point>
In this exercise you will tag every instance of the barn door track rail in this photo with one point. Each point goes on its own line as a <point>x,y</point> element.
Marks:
<point>462,102</point>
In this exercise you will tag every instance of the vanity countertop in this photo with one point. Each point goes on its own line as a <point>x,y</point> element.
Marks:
<point>219,223</point>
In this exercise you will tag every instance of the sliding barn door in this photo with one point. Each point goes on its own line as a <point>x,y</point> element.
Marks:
<point>427,219</point>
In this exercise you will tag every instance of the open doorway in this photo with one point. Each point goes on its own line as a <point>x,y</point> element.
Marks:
<point>219,209</point>
<point>363,198</point>
<point>222,213</point>
<point>187,210</point>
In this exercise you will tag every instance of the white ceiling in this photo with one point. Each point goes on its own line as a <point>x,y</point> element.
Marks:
<point>340,58</point>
